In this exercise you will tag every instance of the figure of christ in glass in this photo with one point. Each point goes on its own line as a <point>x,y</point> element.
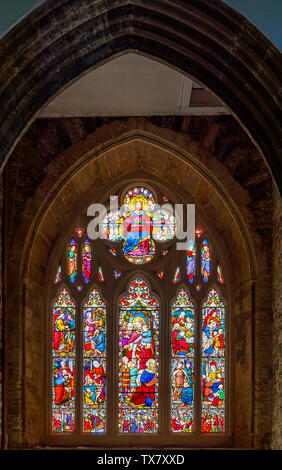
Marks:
<point>139,223</point>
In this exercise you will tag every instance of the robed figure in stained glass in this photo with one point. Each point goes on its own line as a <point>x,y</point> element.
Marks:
<point>213,363</point>
<point>138,227</point>
<point>191,261</point>
<point>139,223</point>
<point>64,328</point>
<point>205,261</point>
<point>94,382</point>
<point>182,332</point>
<point>63,363</point>
<point>138,360</point>
<point>94,330</point>
<point>86,260</point>
<point>182,363</point>
<point>140,343</point>
<point>72,260</point>
<point>145,393</point>
<point>213,340</point>
<point>63,371</point>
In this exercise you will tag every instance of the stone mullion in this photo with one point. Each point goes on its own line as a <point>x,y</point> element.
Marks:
<point>198,345</point>
<point>164,366</point>
<point>79,368</point>
<point>197,370</point>
<point>111,362</point>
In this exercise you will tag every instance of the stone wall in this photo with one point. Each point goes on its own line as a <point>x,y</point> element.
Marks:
<point>60,40</point>
<point>276,441</point>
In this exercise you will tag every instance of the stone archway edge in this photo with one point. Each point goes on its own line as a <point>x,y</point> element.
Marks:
<point>209,41</point>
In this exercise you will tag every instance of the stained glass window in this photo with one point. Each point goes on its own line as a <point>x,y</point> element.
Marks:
<point>206,260</point>
<point>58,275</point>
<point>79,231</point>
<point>72,260</point>
<point>198,232</point>
<point>117,274</point>
<point>138,360</point>
<point>191,261</point>
<point>100,275</point>
<point>182,363</point>
<point>63,363</point>
<point>94,364</point>
<point>213,364</point>
<point>86,260</point>
<point>139,246</point>
<point>219,275</point>
<point>191,364</point>
<point>176,278</point>
<point>139,224</point>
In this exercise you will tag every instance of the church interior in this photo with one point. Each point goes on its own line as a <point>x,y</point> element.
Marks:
<point>100,98</point>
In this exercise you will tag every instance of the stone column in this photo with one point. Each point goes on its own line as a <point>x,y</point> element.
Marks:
<point>276,441</point>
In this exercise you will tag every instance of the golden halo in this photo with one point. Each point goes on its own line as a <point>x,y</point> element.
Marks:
<point>142,199</point>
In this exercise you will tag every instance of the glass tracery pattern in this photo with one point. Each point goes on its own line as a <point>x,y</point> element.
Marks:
<point>80,279</point>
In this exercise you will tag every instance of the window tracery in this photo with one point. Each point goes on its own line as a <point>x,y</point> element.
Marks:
<point>196,398</point>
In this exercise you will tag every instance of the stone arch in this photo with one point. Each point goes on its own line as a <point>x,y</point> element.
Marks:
<point>59,41</point>
<point>106,158</point>
<point>115,151</point>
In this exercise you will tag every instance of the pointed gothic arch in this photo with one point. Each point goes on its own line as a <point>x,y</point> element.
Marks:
<point>209,42</point>
<point>35,256</point>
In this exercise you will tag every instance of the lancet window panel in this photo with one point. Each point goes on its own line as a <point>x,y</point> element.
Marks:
<point>63,363</point>
<point>138,360</point>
